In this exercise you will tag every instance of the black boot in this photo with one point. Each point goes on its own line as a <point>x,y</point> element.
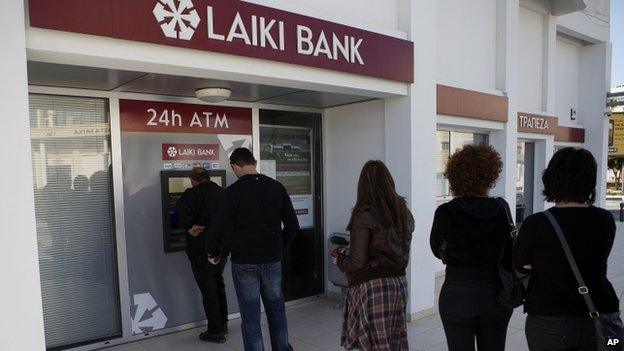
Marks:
<point>213,338</point>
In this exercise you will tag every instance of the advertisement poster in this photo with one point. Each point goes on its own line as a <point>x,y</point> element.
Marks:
<point>289,150</point>
<point>158,137</point>
<point>616,135</point>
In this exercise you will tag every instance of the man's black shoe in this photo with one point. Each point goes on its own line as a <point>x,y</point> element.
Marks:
<point>213,338</point>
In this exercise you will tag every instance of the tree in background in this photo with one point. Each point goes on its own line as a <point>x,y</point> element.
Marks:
<point>615,165</point>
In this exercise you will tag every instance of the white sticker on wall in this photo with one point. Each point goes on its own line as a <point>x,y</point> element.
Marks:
<point>148,316</point>
<point>268,168</point>
<point>229,143</point>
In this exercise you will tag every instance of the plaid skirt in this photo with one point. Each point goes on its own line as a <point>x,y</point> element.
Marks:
<point>374,316</point>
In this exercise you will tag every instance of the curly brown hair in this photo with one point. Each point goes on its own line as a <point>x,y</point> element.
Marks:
<point>473,170</point>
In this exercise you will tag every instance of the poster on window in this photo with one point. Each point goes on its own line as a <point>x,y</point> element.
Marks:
<point>268,168</point>
<point>289,151</point>
<point>304,208</point>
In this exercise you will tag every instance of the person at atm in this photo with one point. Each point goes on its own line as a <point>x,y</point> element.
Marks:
<point>196,208</point>
<point>256,206</point>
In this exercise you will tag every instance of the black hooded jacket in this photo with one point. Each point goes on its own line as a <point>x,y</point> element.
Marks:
<point>475,229</point>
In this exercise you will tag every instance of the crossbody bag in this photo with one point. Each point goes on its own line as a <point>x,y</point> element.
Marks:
<point>609,328</point>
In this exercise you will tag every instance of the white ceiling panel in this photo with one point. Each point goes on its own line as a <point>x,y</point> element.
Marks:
<point>55,75</point>
<point>316,99</point>
<point>186,86</point>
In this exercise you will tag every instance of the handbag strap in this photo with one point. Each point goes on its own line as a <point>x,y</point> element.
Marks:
<point>514,231</point>
<point>582,289</point>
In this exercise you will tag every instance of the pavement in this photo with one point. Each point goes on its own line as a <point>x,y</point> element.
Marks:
<point>316,326</point>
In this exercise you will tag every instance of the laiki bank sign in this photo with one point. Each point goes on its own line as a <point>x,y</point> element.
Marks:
<point>233,27</point>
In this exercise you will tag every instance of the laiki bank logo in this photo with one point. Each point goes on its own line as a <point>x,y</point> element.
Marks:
<point>172,151</point>
<point>178,19</point>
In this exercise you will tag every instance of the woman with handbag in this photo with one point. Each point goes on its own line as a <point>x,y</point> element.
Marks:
<point>469,235</point>
<point>565,250</point>
<point>381,229</point>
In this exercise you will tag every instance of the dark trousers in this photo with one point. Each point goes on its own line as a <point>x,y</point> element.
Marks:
<point>210,282</point>
<point>470,312</point>
<point>560,333</point>
<point>253,282</point>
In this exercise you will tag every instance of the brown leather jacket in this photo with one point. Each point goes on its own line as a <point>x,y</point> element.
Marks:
<point>371,254</point>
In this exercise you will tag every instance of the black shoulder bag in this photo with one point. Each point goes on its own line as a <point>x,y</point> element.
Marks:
<point>513,285</point>
<point>609,328</point>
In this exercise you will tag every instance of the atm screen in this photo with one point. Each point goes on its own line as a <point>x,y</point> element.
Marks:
<point>173,184</point>
<point>179,184</point>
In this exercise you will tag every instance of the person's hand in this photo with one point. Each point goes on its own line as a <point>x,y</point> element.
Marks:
<point>196,230</point>
<point>335,254</point>
<point>214,260</point>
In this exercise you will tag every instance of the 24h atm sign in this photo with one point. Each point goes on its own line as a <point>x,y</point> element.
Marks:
<point>233,27</point>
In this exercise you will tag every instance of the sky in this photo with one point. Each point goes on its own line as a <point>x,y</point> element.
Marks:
<point>617,38</point>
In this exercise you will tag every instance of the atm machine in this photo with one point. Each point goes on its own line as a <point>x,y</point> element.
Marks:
<point>173,185</point>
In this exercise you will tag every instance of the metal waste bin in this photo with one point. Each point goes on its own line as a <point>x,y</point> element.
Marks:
<point>336,276</point>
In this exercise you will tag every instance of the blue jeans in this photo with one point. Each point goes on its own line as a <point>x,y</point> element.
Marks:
<point>251,282</point>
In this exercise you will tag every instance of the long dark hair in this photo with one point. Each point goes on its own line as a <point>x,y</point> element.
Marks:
<point>377,193</point>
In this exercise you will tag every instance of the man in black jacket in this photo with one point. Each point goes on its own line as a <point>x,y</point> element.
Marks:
<point>196,208</point>
<point>255,207</point>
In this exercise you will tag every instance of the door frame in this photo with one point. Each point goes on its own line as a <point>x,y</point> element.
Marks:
<point>316,126</point>
<point>543,151</point>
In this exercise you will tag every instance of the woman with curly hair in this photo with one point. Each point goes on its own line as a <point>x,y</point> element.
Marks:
<point>381,229</point>
<point>468,235</point>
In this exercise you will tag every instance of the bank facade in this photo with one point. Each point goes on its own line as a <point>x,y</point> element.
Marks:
<point>102,124</point>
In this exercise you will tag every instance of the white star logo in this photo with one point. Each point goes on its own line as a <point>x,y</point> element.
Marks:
<point>172,151</point>
<point>177,22</point>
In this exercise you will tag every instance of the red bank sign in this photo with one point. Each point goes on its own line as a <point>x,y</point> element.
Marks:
<point>189,152</point>
<point>165,117</point>
<point>233,27</point>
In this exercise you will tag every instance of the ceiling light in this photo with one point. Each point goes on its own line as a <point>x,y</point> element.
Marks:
<point>212,95</point>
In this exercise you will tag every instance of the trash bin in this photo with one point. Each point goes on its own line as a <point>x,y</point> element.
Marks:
<point>336,276</point>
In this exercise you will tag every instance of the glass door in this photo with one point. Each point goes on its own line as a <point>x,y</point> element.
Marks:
<point>290,153</point>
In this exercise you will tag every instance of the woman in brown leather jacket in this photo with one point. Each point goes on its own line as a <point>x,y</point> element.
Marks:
<point>381,229</point>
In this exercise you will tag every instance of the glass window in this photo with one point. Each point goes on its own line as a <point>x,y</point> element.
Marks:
<point>447,143</point>
<point>443,152</point>
<point>70,139</point>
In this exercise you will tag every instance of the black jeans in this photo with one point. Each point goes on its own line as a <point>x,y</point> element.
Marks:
<point>560,333</point>
<point>210,282</point>
<point>469,312</point>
